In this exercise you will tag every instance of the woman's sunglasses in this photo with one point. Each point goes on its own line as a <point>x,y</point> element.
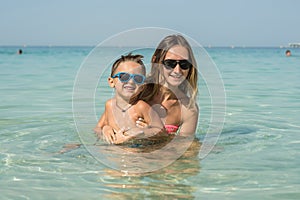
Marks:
<point>125,77</point>
<point>171,64</point>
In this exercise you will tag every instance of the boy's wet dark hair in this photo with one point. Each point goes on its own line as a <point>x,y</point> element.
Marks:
<point>130,57</point>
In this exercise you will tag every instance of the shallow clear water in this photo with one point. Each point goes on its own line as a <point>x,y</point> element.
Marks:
<point>256,157</point>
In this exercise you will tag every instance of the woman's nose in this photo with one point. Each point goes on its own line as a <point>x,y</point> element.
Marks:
<point>177,68</point>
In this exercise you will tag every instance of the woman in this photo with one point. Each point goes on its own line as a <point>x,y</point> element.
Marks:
<point>171,87</point>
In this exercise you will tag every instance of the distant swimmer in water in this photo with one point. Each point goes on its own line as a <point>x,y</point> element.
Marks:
<point>288,53</point>
<point>20,51</point>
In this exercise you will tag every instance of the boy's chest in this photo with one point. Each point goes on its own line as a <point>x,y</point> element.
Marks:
<point>122,119</point>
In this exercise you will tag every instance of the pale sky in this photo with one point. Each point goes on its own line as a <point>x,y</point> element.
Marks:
<point>209,22</point>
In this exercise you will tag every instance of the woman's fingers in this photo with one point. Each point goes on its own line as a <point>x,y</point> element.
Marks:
<point>112,136</point>
<point>140,123</point>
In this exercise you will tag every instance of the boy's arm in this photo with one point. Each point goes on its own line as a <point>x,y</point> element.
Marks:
<point>101,123</point>
<point>103,129</point>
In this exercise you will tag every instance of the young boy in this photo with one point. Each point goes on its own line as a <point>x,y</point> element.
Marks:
<point>118,122</point>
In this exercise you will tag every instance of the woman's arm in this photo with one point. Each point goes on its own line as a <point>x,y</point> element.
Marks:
<point>189,121</point>
<point>149,118</point>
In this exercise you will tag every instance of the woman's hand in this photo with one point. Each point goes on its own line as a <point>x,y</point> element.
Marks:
<point>125,135</point>
<point>117,137</point>
<point>140,123</point>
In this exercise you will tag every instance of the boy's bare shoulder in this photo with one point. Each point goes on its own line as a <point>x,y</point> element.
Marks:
<point>109,103</point>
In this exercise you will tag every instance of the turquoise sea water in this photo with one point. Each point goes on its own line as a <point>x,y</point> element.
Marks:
<point>256,156</point>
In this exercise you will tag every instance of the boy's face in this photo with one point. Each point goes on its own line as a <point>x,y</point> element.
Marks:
<point>126,89</point>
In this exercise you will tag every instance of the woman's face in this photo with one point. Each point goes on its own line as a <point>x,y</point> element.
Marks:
<point>174,77</point>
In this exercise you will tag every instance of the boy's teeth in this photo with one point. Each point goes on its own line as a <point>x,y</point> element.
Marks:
<point>130,88</point>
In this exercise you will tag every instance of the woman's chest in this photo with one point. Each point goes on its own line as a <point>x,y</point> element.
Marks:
<point>169,111</point>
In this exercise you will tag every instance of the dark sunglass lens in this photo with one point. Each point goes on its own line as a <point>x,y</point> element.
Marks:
<point>138,79</point>
<point>170,63</point>
<point>184,64</point>
<point>124,77</point>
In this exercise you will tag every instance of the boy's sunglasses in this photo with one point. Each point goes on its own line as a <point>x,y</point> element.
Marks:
<point>125,77</point>
<point>171,64</point>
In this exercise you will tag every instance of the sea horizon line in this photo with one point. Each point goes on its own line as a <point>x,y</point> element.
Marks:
<point>146,46</point>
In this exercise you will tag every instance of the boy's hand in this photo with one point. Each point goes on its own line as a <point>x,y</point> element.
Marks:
<point>98,132</point>
<point>108,134</point>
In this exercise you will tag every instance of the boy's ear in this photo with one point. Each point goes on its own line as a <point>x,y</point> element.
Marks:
<point>111,83</point>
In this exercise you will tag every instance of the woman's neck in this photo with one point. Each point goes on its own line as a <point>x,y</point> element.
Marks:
<point>175,90</point>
